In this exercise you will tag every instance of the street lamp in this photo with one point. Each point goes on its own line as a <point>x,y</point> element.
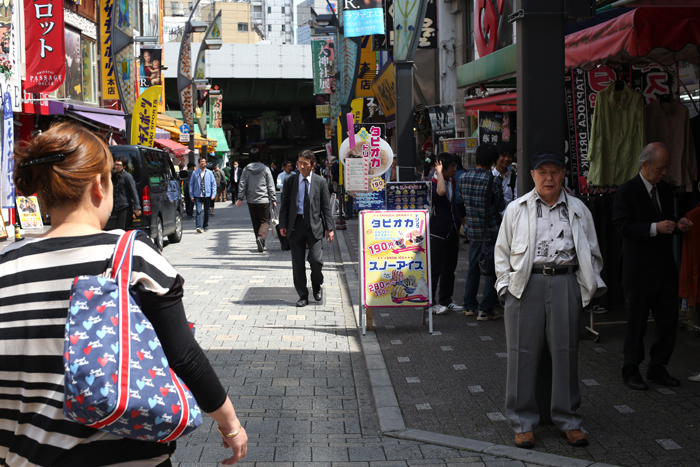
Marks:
<point>187,82</point>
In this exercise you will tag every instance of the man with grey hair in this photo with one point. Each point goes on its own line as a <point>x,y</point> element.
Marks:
<point>643,215</point>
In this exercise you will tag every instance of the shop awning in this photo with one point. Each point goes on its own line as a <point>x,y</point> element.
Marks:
<point>502,102</point>
<point>218,135</point>
<point>641,36</point>
<point>499,65</point>
<point>91,118</point>
<point>174,146</point>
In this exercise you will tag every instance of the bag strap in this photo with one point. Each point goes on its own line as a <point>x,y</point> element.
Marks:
<point>487,206</point>
<point>121,272</point>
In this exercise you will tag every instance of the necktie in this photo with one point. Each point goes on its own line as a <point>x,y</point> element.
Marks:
<point>307,216</point>
<point>655,202</point>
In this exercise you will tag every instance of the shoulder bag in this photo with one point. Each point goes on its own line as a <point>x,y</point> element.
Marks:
<point>117,376</point>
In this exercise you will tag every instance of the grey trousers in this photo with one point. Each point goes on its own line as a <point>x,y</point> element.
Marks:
<point>547,313</point>
<point>299,237</point>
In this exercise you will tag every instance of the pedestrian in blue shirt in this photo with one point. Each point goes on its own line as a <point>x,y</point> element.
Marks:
<point>202,192</point>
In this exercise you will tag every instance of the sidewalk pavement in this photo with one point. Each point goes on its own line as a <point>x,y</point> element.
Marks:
<point>297,376</point>
<point>453,382</point>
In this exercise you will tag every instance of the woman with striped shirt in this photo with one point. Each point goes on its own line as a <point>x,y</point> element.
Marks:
<point>69,168</point>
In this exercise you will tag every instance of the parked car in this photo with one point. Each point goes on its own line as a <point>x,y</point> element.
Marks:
<point>158,185</point>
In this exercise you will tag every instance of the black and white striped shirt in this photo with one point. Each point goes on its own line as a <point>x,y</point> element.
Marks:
<point>35,281</point>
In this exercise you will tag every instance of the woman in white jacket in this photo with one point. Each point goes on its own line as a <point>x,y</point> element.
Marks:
<point>548,267</point>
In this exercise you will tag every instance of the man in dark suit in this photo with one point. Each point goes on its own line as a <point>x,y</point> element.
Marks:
<point>305,217</point>
<point>643,216</point>
<point>233,181</point>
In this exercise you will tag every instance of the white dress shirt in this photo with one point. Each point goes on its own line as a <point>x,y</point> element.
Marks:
<point>300,200</point>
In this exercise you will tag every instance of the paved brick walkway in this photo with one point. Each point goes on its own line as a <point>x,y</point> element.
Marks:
<point>297,377</point>
<point>453,382</point>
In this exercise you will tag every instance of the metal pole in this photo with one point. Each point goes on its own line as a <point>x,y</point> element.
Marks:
<point>541,117</point>
<point>404,121</point>
<point>193,90</point>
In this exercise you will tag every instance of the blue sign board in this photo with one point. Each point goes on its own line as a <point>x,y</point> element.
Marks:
<point>408,195</point>
<point>363,18</point>
<point>373,201</point>
<point>184,128</point>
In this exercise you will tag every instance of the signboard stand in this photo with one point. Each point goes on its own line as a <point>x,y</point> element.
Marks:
<point>394,257</point>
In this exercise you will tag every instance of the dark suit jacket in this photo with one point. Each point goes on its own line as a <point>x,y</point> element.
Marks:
<point>647,262</point>
<point>319,203</point>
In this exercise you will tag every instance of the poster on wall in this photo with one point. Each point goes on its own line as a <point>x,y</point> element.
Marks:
<point>29,213</point>
<point>395,259</point>
<point>45,46</point>
<point>367,162</point>
<point>363,18</point>
<point>74,68</point>
<point>86,51</point>
<point>442,119</point>
<point>490,127</point>
<point>582,88</point>
<point>149,67</point>
<point>323,60</point>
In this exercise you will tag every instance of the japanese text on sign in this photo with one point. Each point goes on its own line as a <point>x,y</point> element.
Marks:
<point>45,45</point>
<point>395,259</point>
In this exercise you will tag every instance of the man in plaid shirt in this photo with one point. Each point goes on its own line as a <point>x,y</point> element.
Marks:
<point>473,187</point>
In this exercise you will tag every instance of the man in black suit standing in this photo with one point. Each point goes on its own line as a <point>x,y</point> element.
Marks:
<point>305,217</point>
<point>233,181</point>
<point>643,216</point>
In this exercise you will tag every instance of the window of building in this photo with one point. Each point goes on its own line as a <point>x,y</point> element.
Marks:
<point>283,28</point>
<point>242,27</point>
<point>282,10</point>
<point>269,9</point>
<point>269,28</point>
<point>89,64</point>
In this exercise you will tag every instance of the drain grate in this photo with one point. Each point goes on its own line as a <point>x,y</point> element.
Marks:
<point>284,296</point>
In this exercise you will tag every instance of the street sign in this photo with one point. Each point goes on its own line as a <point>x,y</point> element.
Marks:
<point>185,128</point>
<point>184,137</point>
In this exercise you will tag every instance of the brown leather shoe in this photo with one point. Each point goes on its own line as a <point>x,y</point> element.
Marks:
<point>525,440</point>
<point>576,438</point>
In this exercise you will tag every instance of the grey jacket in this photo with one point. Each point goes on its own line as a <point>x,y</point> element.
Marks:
<point>256,184</point>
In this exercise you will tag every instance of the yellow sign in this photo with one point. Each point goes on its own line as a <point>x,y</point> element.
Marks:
<point>367,69</point>
<point>109,78</point>
<point>395,259</point>
<point>29,212</point>
<point>143,121</point>
<point>323,111</point>
<point>384,89</point>
<point>357,106</point>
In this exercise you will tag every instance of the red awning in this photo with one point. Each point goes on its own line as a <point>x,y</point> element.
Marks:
<point>642,36</point>
<point>503,102</point>
<point>174,146</point>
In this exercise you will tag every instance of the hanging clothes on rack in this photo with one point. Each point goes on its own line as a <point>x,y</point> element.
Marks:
<point>669,123</point>
<point>617,135</point>
<point>688,280</point>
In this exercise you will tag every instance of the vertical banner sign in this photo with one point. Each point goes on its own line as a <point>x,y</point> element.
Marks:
<point>9,34</point>
<point>428,38</point>
<point>215,107</point>
<point>124,20</point>
<point>45,47</point>
<point>8,164</point>
<point>183,80</point>
<point>363,18</point>
<point>109,83</point>
<point>407,15</point>
<point>74,69</point>
<point>143,122</point>
<point>442,119</point>
<point>367,69</point>
<point>384,89</point>
<point>149,68</point>
<point>323,57</point>
<point>395,259</point>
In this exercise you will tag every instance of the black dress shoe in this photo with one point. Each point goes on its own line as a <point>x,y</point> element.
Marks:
<point>663,378</point>
<point>318,296</point>
<point>302,302</point>
<point>636,383</point>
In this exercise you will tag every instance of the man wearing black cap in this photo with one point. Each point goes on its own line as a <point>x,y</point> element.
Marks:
<point>548,268</point>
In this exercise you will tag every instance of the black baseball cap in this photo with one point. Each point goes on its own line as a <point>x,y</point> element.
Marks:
<point>542,157</point>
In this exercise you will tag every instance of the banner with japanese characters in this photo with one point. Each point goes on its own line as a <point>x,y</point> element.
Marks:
<point>7,166</point>
<point>395,259</point>
<point>143,123</point>
<point>323,62</point>
<point>363,18</point>
<point>384,89</point>
<point>490,127</point>
<point>45,46</point>
<point>109,83</point>
<point>29,212</point>
<point>367,69</point>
